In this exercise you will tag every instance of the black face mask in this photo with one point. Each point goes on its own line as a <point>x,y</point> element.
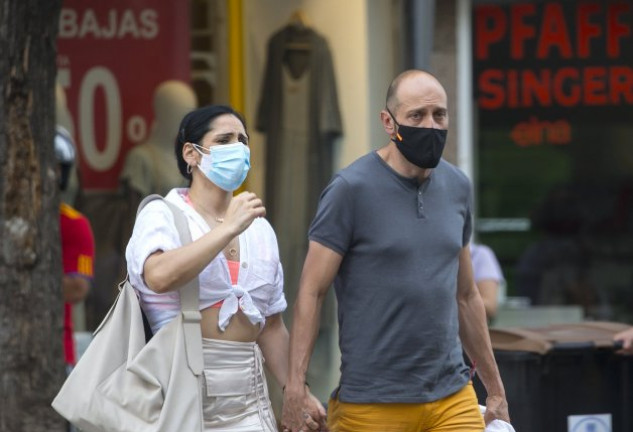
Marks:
<point>421,146</point>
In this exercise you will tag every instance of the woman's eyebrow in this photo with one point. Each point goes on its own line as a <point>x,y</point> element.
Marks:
<point>224,135</point>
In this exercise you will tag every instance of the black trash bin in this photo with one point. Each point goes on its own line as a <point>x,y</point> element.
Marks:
<point>554,372</point>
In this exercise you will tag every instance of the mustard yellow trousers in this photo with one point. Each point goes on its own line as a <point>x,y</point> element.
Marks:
<point>458,412</point>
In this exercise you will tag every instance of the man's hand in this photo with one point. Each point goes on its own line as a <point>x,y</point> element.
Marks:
<point>302,412</point>
<point>496,408</point>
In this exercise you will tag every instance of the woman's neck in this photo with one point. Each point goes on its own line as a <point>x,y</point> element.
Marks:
<point>209,200</point>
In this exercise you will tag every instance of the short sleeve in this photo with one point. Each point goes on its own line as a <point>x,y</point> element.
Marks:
<point>333,224</point>
<point>485,264</point>
<point>277,303</point>
<point>154,230</point>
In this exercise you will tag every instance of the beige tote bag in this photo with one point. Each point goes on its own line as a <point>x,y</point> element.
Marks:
<point>123,384</point>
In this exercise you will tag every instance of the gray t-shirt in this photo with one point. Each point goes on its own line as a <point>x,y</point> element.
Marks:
<point>396,287</point>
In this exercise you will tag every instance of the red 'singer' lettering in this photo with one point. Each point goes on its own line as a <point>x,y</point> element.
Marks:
<point>565,87</point>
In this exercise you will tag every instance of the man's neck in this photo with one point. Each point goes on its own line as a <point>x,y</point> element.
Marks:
<point>392,156</point>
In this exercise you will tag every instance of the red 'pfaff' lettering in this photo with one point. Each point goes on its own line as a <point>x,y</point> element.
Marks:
<point>490,26</point>
<point>586,29</point>
<point>519,30</point>
<point>551,26</point>
<point>615,29</point>
<point>554,32</point>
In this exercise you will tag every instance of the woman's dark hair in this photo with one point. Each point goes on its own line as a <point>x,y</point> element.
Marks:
<point>195,125</point>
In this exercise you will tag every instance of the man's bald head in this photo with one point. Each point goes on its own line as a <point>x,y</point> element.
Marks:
<point>392,101</point>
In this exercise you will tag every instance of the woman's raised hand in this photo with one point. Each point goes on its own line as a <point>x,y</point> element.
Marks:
<point>242,210</point>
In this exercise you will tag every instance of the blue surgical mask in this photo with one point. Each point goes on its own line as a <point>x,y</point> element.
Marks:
<point>226,165</point>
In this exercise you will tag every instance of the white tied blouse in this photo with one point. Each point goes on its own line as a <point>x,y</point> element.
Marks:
<point>259,289</point>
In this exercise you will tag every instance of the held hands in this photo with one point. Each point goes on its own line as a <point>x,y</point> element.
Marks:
<point>302,412</point>
<point>496,408</point>
<point>242,210</point>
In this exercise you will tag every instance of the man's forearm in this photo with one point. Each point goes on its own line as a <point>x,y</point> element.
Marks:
<point>476,340</point>
<point>305,325</point>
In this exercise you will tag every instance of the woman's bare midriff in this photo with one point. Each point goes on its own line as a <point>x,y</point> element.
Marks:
<point>239,328</point>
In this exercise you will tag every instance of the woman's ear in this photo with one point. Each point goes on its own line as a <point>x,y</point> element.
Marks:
<point>189,154</point>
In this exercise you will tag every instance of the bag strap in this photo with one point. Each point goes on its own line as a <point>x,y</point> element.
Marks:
<point>189,292</point>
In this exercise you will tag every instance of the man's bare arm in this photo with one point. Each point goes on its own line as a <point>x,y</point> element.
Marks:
<point>319,270</point>
<point>473,331</point>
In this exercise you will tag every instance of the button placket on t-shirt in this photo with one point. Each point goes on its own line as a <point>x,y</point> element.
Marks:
<point>421,189</point>
<point>420,202</point>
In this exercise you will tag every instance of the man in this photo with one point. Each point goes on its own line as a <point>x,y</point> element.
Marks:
<point>392,233</point>
<point>77,245</point>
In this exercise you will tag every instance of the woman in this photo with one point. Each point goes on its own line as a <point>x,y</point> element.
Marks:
<point>234,254</point>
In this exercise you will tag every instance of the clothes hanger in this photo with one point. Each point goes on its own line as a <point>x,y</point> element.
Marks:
<point>298,21</point>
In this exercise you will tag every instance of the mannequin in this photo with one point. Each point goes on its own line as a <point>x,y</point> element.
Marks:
<point>150,166</point>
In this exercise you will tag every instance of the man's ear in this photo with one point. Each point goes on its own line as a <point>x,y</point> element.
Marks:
<point>387,123</point>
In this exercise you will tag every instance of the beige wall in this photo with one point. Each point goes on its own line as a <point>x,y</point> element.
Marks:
<point>443,66</point>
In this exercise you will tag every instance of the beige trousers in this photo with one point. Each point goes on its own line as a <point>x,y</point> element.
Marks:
<point>235,394</point>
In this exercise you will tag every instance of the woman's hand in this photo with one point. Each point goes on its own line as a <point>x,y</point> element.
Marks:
<point>243,210</point>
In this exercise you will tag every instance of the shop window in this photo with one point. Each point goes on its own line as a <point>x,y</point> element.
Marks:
<point>554,107</point>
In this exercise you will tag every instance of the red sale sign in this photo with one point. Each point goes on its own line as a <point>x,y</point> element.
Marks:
<point>111,57</point>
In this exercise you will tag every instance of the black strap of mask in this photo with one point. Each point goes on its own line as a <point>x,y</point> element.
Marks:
<point>393,117</point>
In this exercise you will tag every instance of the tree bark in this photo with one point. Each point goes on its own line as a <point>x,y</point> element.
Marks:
<point>31,305</point>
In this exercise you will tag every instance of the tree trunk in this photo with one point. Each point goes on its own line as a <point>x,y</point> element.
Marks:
<point>31,307</point>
